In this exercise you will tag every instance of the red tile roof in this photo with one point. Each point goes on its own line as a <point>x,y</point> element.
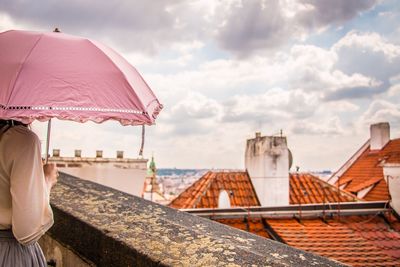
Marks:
<point>252,225</point>
<point>304,188</point>
<point>367,171</point>
<point>362,240</point>
<point>204,193</point>
<point>309,189</point>
<point>369,240</point>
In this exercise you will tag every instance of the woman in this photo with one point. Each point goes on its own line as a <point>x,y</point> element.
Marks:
<point>25,213</point>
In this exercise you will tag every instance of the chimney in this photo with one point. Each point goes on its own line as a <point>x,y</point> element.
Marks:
<point>267,162</point>
<point>391,172</point>
<point>380,135</point>
<point>120,154</point>
<point>78,153</point>
<point>56,152</point>
<point>99,153</point>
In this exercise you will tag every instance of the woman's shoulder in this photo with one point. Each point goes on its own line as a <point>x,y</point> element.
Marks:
<point>23,134</point>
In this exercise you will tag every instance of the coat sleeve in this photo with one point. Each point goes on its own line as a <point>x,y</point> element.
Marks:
<point>31,212</point>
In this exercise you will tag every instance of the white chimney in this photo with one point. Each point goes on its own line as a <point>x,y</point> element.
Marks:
<point>391,172</point>
<point>267,162</point>
<point>380,135</point>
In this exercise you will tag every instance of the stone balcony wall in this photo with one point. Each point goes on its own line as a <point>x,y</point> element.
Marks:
<point>96,225</point>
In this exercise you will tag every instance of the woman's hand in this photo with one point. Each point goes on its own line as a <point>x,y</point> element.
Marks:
<point>51,174</point>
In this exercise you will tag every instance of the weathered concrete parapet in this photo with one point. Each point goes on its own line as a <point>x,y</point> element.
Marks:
<point>111,228</point>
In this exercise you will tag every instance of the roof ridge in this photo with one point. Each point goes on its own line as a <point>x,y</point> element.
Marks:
<point>348,163</point>
<point>188,189</point>
<point>252,186</point>
<point>197,200</point>
<point>341,191</point>
<point>365,184</point>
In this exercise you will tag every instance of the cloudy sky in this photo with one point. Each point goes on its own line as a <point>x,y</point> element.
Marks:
<point>320,71</point>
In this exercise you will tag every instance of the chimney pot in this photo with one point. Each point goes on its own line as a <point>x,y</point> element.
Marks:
<point>78,153</point>
<point>56,152</point>
<point>380,135</point>
<point>99,153</point>
<point>258,134</point>
<point>120,154</point>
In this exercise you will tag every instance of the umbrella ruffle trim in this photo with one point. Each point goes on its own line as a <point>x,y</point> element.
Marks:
<point>80,119</point>
<point>124,116</point>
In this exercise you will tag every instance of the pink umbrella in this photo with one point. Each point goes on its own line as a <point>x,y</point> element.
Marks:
<point>46,75</point>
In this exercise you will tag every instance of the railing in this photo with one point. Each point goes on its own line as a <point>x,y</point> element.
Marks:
<point>290,211</point>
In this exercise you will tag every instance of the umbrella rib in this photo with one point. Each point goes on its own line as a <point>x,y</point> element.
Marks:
<point>119,70</point>
<point>20,69</point>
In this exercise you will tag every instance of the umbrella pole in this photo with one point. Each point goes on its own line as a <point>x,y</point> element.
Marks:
<point>142,145</point>
<point>48,140</point>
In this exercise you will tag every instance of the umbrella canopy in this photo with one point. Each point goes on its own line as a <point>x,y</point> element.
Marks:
<point>46,75</point>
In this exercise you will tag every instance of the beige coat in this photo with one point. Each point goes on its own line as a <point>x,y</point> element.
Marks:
<point>24,196</point>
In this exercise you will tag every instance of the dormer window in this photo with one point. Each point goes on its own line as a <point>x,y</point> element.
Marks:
<point>223,200</point>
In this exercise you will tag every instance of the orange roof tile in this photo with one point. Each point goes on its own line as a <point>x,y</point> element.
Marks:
<point>367,171</point>
<point>304,189</point>
<point>204,193</point>
<point>252,225</point>
<point>378,192</point>
<point>367,240</point>
<point>309,189</point>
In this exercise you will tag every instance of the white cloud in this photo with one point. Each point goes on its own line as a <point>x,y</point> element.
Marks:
<point>242,27</point>
<point>394,90</point>
<point>335,107</point>
<point>145,26</point>
<point>368,54</point>
<point>273,106</point>
<point>251,26</point>
<point>194,114</point>
<point>330,126</point>
<point>321,14</point>
<point>380,111</point>
<point>368,42</point>
<point>314,69</point>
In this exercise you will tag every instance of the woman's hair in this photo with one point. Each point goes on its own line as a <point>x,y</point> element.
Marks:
<point>5,125</point>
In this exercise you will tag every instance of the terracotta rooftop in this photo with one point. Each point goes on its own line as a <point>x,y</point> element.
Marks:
<point>252,225</point>
<point>204,192</point>
<point>304,189</point>
<point>369,240</point>
<point>367,172</point>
